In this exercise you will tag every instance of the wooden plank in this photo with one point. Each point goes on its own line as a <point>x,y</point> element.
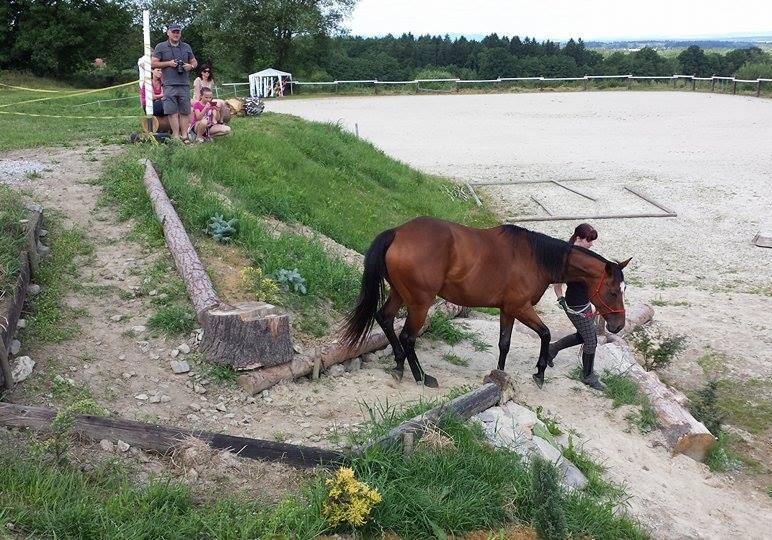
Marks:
<point>472,191</point>
<point>163,439</point>
<point>463,407</point>
<point>651,200</point>
<point>517,219</point>
<point>583,194</point>
<point>5,367</point>
<point>505,183</point>
<point>537,201</point>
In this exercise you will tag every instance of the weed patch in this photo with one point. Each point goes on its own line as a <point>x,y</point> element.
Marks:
<point>656,347</point>
<point>620,389</point>
<point>455,359</point>
<point>441,328</point>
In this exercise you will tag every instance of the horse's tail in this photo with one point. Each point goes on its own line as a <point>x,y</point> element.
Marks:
<point>360,320</point>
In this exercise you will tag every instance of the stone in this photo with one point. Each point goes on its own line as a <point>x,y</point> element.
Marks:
<point>199,389</point>
<point>523,417</point>
<point>21,323</point>
<point>128,374</point>
<point>43,233</point>
<point>107,446</point>
<point>571,476</point>
<point>122,357</point>
<point>369,357</point>
<point>33,289</point>
<point>179,366</point>
<point>184,348</point>
<point>230,415</point>
<point>355,364</point>
<point>123,446</point>
<point>153,293</point>
<point>220,407</point>
<point>15,347</point>
<point>195,406</point>
<point>155,398</point>
<point>22,368</point>
<point>165,398</point>
<point>116,318</point>
<point>251,400</point>
<point>193,418</point>
<point>174,353</point>
<point>139,329</point>
<point>336,370</point>
<point>141,397</point>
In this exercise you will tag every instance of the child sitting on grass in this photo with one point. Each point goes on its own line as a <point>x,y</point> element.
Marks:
<point>207,119</point>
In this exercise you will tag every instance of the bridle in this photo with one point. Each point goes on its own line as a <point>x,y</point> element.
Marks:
<point>603,304</point>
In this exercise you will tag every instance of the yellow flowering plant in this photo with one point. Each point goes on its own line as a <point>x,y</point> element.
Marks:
<point>262,286</point>
<point>348,500</point>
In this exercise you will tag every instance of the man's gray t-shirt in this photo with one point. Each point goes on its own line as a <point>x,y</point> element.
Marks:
<point>165,51</point>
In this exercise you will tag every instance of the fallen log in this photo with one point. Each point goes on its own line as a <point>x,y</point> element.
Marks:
<point>496,388</point>
<point>245,336</point>
<point>164,439</point>
<point>635,316</point>
<point>11,306</point>
<point>334,353</point>
<point>683,433</point>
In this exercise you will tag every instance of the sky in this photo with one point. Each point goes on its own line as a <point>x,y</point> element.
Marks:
<point>561,19</point>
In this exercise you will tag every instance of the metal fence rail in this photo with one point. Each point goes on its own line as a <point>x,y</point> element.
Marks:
<point>585,79</point>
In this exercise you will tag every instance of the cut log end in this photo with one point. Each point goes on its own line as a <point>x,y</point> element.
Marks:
<point>247,336</point>
<point>694,445</point>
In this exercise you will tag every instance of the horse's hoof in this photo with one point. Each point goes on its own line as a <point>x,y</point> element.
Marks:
<point>538,380</point>
<point>397,374</point>
<point>550,363</point>
<point>430,382</point>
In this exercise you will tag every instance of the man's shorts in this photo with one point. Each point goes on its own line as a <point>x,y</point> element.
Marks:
<point>177,100</point>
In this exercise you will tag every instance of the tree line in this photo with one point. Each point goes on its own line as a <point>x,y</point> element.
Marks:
<point>61,39</point>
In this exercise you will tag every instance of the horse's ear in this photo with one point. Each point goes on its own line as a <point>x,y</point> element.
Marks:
<point>625,263</point>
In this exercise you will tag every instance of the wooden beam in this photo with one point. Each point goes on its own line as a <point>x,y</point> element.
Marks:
<point>473,193</point>
<point>504,183</point>
<point>163,439</point>
<point>574,190</point>
<point>517,219</point>
<point>651,201</point>
<point>496,386</point>
<point>537,201</point>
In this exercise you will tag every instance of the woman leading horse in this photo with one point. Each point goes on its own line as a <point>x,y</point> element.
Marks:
<point>506,267</point>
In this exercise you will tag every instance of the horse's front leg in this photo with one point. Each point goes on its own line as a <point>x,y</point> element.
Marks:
<point>506,321</point>
<point>530,318</point>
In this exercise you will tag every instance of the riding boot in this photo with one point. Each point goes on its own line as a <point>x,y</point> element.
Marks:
<point>563,343</point>
<point>589,377</point>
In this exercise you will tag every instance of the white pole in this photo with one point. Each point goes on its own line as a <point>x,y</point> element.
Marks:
<point>148,70</point>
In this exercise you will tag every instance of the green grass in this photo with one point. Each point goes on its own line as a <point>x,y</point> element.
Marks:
<point>455,359</point>
<point>50,320</point>
<point>620,389</point>
<point>12,238</point>
<point>441,328</point>
<point>645,418</point>
<point>29,131</point>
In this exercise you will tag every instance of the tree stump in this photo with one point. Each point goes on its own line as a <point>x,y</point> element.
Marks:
<point>249,336</point>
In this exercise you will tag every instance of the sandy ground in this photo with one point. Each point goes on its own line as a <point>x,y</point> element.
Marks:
<point>676,497</point>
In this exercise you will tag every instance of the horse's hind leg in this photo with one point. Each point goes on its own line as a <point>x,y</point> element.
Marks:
<point>416,316</point>
<point>385,318</point>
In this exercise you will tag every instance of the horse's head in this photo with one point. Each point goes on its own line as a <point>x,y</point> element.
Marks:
<point>608,297</point>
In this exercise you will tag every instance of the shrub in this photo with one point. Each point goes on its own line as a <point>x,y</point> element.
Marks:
<point>221,229</point>
<point>349,500</point>
<point>704,407</point>
<point>657,348</point>
<point>755,70</point>
<point>263,287</point>
<point>291,280</point>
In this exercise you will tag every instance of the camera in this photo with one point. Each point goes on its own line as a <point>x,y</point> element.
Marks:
<point>180,66</point>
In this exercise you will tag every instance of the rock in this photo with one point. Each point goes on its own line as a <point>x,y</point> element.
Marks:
<point>21,323</point>
<point>116,318</point>
<point>43,233</point>
<point>122,446</point>
<point>199,389</point>
<point>155,398</point>
<point>165,399</point>
<point>128,374</point>
<point>33,289</point>
<point>369,357</point>
<point>220,407</point>
<point>15,347</point>
<point>141,397</point>
<point>265,394</point>
<point>184,348</point>
<point>230,415</point>
<point>193,418</point>
<point>336,370</point>
<point>572,477</point>
<point>121,357</point>
<point>174,353</point>
<point>107,446</point>
<point>179,366</point>
<point>22,368</point>
<point>355,364</point>
<point>139,329</point>
<point>251,400</point>
<point>153,293</point>
<point>522,417</point>
<point>195,406</point>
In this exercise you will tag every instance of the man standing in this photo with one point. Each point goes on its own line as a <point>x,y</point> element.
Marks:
<point>176,59</point>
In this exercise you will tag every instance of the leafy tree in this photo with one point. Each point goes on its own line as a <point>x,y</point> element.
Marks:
<point>694,61</point>
<point>496,62</point>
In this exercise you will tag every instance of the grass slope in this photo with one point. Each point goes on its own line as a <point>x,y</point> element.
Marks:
<point>11,238</point>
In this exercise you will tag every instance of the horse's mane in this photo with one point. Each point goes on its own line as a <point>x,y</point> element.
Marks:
<point>551,253</point>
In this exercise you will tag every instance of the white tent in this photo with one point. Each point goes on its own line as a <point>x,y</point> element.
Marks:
<point>269,83</point>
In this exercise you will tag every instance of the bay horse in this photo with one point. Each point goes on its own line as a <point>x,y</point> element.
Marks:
<point>505,267</point>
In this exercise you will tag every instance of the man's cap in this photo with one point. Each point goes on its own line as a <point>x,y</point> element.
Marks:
<point>174,26</point>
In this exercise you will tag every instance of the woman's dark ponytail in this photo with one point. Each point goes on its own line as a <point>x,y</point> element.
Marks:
<point>584,231</point>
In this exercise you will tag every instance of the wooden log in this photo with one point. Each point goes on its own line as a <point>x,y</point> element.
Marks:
<point>683,433</point>
<point>164,439</point>
<point>334,353</point>
<point>518,219</point>
<point>651,200</point>
<point>199,286</point>
<point>495,386</point>
<point>249,336</point>
<point>569,188</point>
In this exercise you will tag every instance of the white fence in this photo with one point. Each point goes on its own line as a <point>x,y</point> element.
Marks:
<point>586,79</point>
